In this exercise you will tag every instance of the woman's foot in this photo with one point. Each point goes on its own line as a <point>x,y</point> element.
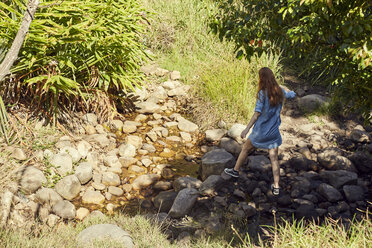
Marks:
<point>274,190</point>
<point>231,172</point>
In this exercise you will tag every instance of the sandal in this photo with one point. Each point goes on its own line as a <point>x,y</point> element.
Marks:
<point>274,190</point>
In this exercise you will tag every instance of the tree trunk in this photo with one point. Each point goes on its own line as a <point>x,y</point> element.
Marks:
<point>12,54</point>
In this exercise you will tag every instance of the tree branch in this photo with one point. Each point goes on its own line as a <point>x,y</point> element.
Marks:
<point>12,54</point>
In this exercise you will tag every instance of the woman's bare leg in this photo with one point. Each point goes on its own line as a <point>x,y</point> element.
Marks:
<point>247,147</point>
<point>273,153</point>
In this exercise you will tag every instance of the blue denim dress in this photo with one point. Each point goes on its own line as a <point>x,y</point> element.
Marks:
<point>265,133</point>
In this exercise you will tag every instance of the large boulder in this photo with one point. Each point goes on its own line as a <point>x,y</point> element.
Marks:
<point>105,233</point>
<point>235,131</point>
<point>211,185</point>
<point>144,181</point>
<point>339,178</point>
<point>183,203</point>
<point>230,145</point>
<point>329,192</point>
<point>259,163</point>
<point>62,162</point>
<point>362,161</point>
<point>32,179</point>
<point>68,187</point>
<point>84,172</point>
<point>311,102</point>
<point>215,134</point>
<point>186,182</point>
<point>215,161</point>
<point>332,159</point>
<point>64,209</point>
<point>164,200</point>
<point>48,196</point>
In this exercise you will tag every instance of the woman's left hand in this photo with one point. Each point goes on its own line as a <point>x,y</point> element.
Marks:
<point>244,133</point>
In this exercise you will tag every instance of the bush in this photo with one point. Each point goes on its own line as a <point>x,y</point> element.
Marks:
<point>75,49</point>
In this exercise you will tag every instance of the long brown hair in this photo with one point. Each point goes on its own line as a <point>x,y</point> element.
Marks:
<point>268,83</point>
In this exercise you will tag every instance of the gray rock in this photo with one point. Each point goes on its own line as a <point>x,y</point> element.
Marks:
<point>329,192</point>
<point>117,125</point>
<point>175,75</point>
<point>52,220</point>
<point>310,103</point>
<point>332,159</point>
<point>105,233</point>
<point>339,178</point>
<point>62,162</point>
<point>179,91</point>
<point>144,181</point>
<point>147,107</point>
<point>48,196</point>
<point>84,172</point>
<point>230,145</point>
<point>183,203</point>
<point>68,187</point>
<point>90,118</point>
<point>215,161</point>
<point>211,185</point>
<point>164,200</point>
<point>160,93</point>
<point>134,140</point>
<point>127,150</point>
<point>259,163</point>
<point>169,85</point>
<point>110,179</point>
<point>358,134</point>
<point>100,139</point>
<point>83,148</point>
<point>215,134</point>
<point>115,191</point>
<point>353,193</point>
<point>186,125</point>
<point>75,155</point>
<point>64,209</point>
<point>19,154</point>
<point>162,185</point>
<point>111,161</point>
<point>32,179</point>
<point>186,182</point>
<point>235,131</point>
<point>93,197</point>
<point>130,126</point>
<point>363,161</point>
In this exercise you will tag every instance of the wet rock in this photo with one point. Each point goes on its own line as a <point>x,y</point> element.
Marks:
<point>259,163</point>
<point>311,102</point>
<point>362,160</point>
<point>64,209</point>
<point>75,155</point>
<point>32,179</point>
<point>186,182</point>
<point>183,203</point>
<point>215,134</point>
<point>48,196</point>
<point>68,187</point>
<point>62,162</point>
<point>329,192</point>
<point>147,107</point>
<point>353,193</point>
<point>186,125</point>
<point>84,172</point>
<point>339,178</point>
<point>19,154</point>
<point>144,181</point>
<point>164,200</point>
<point>115,191</point>
<point>102,232</point>
<point>211,185</point>
<point>110,179</point>
<point>127,150</point>
<point>230,145</point>
<point>215,161</point>
<point>332,159</point>
<point>235,132</point>
<point>93,197</point>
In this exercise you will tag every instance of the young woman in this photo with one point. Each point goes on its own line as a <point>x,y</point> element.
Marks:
<point>266,121</point>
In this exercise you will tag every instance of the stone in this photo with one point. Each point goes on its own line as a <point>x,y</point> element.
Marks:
<point>83,147</point>
<point>173,139</point>
<point>186,136</point>
<point>300,162</point>
<point>186,125</point>
<point>332,159</point>
<point>179,91</point>
<point>127,161</point>
<point>32,179</point>
<point>305,211</point>
<point>52,220</point>
<point>84,172</point>
<point>311,102</point>
<point>98,186</point>
<point>93,197</point>
<point>130,126</point>
<point>136,169</point>
<point>215,134</point>
<point>90,118</point>
<point>329,192</point>
<point>68,187</point>
<point>152,135</point>
<point>148,147</point>
<point>144,181</point>
<point>48,196</point>
<point>64,209</point>
<point>186,182</point>
<point>161,185</point>
<point>147,107</point>
<point>230,145</point>
<point>117,125</point>
<point>140,118</point>
<point>210,186</point>
<point>111,161</point>
<point>146,162</point>
<point>362,161</point>
<point>19,154</point>
<point>62,162</point>
<point>184,202</point>
<point>215,161</point>
<point>127,188</point>
<point>353,193</point>
<point>100,139</point>
<point>89,129</point>
<point>81,213</point>
<point>127,150</point>
<point>110,179</point>
<point>134,140</point>
<point>160,93</point>
<point>235,132</point>
<point>115,191</point>
<point>75,155</point>
<point>259,163</point>
<point>339,178</point>
<point>105,233</point>
<point>100,129</point>
<point>358,134</point>
<point>249,210</point>
<point>164,200</point>
<point>169,85</point>
<point>175,75</point>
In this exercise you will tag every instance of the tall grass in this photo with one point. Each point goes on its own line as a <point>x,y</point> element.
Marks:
<point>181,38</point>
